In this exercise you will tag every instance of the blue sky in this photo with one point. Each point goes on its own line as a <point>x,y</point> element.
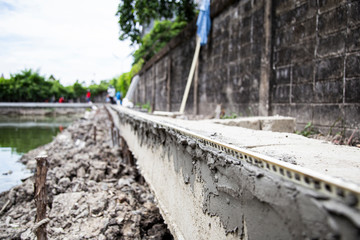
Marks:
<point>70,39</point>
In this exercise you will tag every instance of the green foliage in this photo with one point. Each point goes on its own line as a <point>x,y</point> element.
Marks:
<point>122,83</point>
<point>136,67</point>
<point>97,89</point>
<point>135,14</point>
<point>78,89</point>
<point>5,89</point>
<point>339,123</point>
<point>186,10</point>
<point>157,38</point>
<point>57,90</point>
<point>308,130</point>
<point>232,116</point>
<point>30,86</point>
<point>25,86</point>
<point>147,107</point>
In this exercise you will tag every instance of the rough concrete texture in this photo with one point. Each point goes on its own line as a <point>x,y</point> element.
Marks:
<point>274,123</point>
<point>93,193</point>
<point>320,156</point>
<point>204,194</point>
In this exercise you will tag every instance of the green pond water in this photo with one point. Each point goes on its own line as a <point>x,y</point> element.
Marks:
<point>18,135</point>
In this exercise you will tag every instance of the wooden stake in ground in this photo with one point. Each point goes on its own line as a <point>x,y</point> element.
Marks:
<point>41,196</point>
<point>95,134</point>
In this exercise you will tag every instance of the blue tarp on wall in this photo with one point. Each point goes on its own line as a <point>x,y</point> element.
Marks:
<point>203,22</point>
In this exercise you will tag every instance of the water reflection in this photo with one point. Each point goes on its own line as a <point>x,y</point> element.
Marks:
<point>11,170</point>
<point>20,134</point>
<point>21,140</point>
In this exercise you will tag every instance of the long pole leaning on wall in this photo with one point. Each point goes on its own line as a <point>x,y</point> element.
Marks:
<point>196,85</point>
<point>191,75</point>
<point>265,75</point>
<point>153,92</point>
<point>204,25</point>
<point>168,86</point>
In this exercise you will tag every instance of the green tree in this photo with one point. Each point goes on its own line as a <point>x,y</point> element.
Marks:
<point>134,15</point>
<point>78,89</point>
<point>28,85</point>
<point>5,89</point>
<point>157,38</point>
<point>97,89</point>
<point>122,83</point>
<point>57,89</point>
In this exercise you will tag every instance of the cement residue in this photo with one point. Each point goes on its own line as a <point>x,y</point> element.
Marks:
<point>320,156</point>
<point>92,193</point>
<point>247,198</point>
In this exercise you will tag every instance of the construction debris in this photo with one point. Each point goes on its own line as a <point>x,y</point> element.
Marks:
<point>92,192</point>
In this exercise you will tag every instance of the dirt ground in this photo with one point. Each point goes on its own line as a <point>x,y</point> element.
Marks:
<point>92,192</point>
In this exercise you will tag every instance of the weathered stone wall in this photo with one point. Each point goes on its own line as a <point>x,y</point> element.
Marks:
<point>316,61</point>
<point>287,57</point>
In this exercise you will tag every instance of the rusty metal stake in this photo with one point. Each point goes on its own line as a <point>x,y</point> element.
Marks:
<point>40,195</point>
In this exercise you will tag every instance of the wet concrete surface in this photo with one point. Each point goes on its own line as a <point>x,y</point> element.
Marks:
<point>246,201</point>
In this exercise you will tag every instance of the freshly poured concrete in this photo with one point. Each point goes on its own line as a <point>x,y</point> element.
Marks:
<point>324,157</point>
<point>204,195</point>
<point>273,123</point>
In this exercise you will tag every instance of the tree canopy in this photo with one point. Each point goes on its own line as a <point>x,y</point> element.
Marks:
<point>157,38</point>
<point>30,86</point>
<point>24,86</point>
<point>135,14</point>
<point>122,83</point>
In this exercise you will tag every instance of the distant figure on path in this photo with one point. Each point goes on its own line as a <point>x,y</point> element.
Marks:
<point>88,95</point>
<point>111,94</point>
<point>61,99</point>
<point>118,98</point>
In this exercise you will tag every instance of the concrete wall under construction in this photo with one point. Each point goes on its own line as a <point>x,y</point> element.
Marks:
<point>205,194</point>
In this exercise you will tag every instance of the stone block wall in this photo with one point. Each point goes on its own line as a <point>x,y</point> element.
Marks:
<point>316,62</point>
<point>298,58</point>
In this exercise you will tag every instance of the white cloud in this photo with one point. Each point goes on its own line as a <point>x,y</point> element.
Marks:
<point>71,39</point>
